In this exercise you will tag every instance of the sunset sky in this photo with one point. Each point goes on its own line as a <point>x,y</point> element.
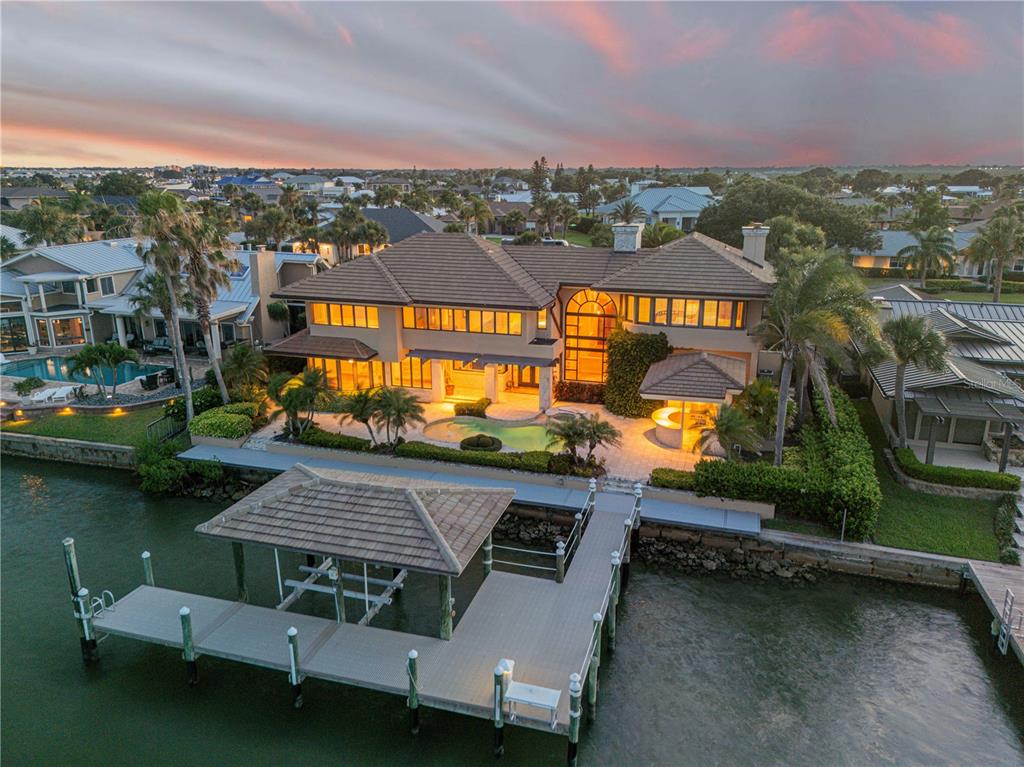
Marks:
<point>358,85</point>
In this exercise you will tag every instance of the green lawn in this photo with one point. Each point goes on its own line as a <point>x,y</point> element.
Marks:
<point>924,522</point>
<point>577,238</point>
<point>126,429</point>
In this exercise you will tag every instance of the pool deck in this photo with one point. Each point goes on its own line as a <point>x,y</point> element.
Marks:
<point>529,493</point>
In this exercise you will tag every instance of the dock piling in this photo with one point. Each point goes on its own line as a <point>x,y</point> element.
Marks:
<point>334,575</point>
<point>560,561</point>
<point>293,672</point>
<point>71,563</point>
<point>499,706</point>
<point>414,693</point>
<point>965,574</point>
<point>627,552</point>
<point>613,598</point>
<point>239,554</point>
<point>592,671</point>
<point>188,650</point>
<point>147,568</point>
<point>488,554</point>
<point>575,713</point>
<point>88,634</point>
<point>447,604</point>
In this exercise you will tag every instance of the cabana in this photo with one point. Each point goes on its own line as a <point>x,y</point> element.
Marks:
<point>344,517</point>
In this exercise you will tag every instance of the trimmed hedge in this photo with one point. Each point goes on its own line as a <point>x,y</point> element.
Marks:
<point>952,475</point>
<point>477,409</point>
<point>1004,528</point>
<point>482,442</point>
<point>629,357</point>
<point>202,400</point>
<point>427,452</point>
<point>578,391</point>
<point>317,437</point>
<point>215,423</point>
<point>673,479</point>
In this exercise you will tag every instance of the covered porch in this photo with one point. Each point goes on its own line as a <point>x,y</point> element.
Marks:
<point>468,376</point>
<point>52,320</point>
<point>940,413</point>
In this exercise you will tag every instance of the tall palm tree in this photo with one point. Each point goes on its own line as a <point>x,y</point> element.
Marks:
<point>660,234</point>
<point>161,215</point>
<point>299,398</point>
<point>912,341</point>
<point>342,233</point>
<point>49,223</point>
<point>514,220</point>
<point>397,410</point>
<point>599,432</point>
<point>244,366</point>
<point>730,428</point>
<point>998,243</point>
<point>93,358</point>
<point>568,214</point>
<point>207,265</point>
<point>817,301</point>
<point>973,209</point>
<point>474,213</point>
<point>548,210</point>
<point>150,294</point>
<point>386,196</point>
<point>934,251</point>
<point>629,211</point>
<point>363,407</point>
<point>289,200</point>
<point>372,234</point>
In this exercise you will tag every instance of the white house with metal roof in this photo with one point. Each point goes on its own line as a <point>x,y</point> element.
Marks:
<point>887,255</point>
<point>676,205</point>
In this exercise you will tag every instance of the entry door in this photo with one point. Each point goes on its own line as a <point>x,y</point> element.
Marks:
<point>528,376</point>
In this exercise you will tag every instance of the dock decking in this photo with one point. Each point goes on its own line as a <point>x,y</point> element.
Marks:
<point>992,581</point>
<point>544,626</point>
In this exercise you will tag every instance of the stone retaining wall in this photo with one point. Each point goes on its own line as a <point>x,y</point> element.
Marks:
<point>933,488</point>
<point>68,450</point>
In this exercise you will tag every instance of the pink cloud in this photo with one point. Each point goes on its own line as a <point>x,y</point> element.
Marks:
<point>868,35</point>
<point>345,35</point>
<point>294,12</point>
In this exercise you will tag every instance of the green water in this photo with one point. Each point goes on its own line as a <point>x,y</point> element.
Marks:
<point>522,437</point>
<point>707,672</point>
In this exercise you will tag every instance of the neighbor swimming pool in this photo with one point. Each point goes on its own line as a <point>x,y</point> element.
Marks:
<point>56,369</point>
<point>526,436</point>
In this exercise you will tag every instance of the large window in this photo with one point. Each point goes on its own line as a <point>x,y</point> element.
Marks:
<point>411,372</point>
<point>346,315</point>
<point>686,312</point>
<point>462,320</point>
<point>107,286</point>
<point>13,334</point>
<point>349,375</point>
<point>589,319</point>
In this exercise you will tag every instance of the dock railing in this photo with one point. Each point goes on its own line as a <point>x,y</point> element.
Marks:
<point>556,561</point>
<point>164,428</point>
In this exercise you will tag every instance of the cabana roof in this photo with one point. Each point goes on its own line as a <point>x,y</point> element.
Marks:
<point>417,524</point>
<point>694,376</point>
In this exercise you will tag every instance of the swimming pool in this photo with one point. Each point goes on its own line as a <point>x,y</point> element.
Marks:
<point>56,369</point>
<point>526,436</point>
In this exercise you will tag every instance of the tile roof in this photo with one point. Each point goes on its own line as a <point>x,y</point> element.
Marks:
<point>302,344</point>
<point>403,223</point>
<point>89,258</point>
<point>422,525</point>
<point>361,280</point>
<point>694,264</point>
<point>694,376</point>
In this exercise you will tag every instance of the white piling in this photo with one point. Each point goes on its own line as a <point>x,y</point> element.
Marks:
<point>294,674</point>
<point>188,650</point>
<point>147,568</point>
<point>575,713</point>
<point>88,633</point>
<point>414,692</point>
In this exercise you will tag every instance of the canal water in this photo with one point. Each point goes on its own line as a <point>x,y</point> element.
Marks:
<point>707,671</point>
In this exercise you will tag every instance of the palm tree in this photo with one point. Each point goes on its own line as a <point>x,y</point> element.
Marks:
<point>933,251</point>
<point>569,433</point>
<point>999,242</point>
<point>973,208</point>
<point>514,220</point>
<point>474,213</point>
<point>93,358</point>
<point>397,410</point>
<point>289,200</point>
<point>599,432</point>
<point>548,210</point>
<point>151,294</point>
<point>568,214</point>
<point>244,366</point>
<point>733,430</point>
<point>660,234</point>
<point>270,226</point>
<point>372,234</point>
<point>160,217</point>
<point>912,341</point>
<point>307,392</point>
<point>48,223</point>
<point>342,233</point>
<point>386,196</point>
<point>362,406</point>
<point>629,211</point>
<point>817,301</point>
<point>207,268</point>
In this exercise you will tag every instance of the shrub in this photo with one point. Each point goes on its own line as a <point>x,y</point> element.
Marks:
<point>601,235</point>
<point>317,437</point>
<point>161,476</point>
<point>26,385</point>
<point>535,460</point>
<point>527,238</point>
<point>216,423</point>
<point>578,391</point>
<point>672,478</point>
<point>951,475</point>
<point>1004,529</point>
<point>482,442</point>
<point>629,357</point>
<point>584,224</point>
<point>203,399</point>
<point>477,409</point>
<point>278,311</point>
<point>428,452</point>
<point>560,464</point>
<point>789,488</point>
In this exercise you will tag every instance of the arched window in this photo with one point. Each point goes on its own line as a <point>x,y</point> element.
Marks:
<point>589,319</point>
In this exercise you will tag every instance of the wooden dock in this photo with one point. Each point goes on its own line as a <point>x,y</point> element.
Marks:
<point>1002,588</point>
<point>545,627</point>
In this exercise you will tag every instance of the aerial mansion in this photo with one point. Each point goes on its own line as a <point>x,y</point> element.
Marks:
<point>464,317</point>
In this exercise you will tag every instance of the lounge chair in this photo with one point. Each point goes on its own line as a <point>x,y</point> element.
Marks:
<point>150,381</point>
<point>63,394</point>
<point>43,396</point>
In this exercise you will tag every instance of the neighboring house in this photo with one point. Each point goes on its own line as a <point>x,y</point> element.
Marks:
<point>676,205</point>
<point>403,185</point>
<point>14,236</point>
<point>282,177</point>
<point>352,181</point>
<point>965,191</point>
<point>123,202</point>
<point>459,316</point>
<point>266,189</point>
<point>527,196</point>
<point>310,183</point>
<point>509,183</point>
<point>959,214</point>
<point>400,223</point>
<point>969,399</point>
<point>500,211</point>
<point>893,241</point>
<point>882,219</point>
<point>17,197</point>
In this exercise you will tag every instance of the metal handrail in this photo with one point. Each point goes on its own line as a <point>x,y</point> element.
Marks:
<point>523,564</point>
<point>523,551</point>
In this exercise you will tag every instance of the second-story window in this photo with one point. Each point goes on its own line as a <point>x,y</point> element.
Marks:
<point>686,312</point>
<point>107,286</point>
<point>462,320</point>
<point>346,315</point>
<point>542,319</point>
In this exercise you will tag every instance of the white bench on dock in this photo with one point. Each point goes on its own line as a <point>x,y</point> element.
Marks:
<point>532,695</point>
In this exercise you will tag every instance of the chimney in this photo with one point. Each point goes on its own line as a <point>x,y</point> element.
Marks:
<point>754,239</point>
<point>627,237</point>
